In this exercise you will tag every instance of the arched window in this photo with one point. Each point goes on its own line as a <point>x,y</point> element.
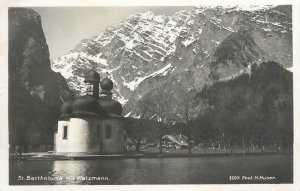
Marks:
<point>108,131</point>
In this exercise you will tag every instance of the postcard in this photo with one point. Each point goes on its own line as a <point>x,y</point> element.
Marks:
<point>186,95</point>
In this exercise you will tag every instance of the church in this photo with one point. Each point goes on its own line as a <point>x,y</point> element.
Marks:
<point>93,123</point>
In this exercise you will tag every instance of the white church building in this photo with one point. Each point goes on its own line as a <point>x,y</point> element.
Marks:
<point>93,123</point>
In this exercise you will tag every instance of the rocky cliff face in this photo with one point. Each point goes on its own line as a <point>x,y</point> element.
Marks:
<point>35,91</point>
<point>190,49</point>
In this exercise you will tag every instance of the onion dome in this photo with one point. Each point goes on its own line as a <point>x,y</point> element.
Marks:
<point>111,106</point>
<point>66,109</point>
<point>92,76</point>
<point>106,84</point>
<point>87,105</point>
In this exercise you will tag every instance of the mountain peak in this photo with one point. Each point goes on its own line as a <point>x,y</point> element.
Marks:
<point>183,46</point>
<point>147,15</point>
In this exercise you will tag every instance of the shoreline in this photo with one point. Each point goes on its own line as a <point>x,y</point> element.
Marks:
<point>47,156</point>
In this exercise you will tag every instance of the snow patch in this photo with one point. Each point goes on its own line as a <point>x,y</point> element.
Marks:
<point>136,116</point>
<point>229,29</point>
<point>199,31</point>
<point>217,42</point>
<point>248,7</point>
<point>130,45</point>
<point>135,83</point>
<point>147,15</point>
<point>291,69</point>
<point>188,41</point>
<point>128,114</point>
<point>266,29</point>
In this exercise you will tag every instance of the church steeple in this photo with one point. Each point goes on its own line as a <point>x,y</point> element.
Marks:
<point>110,105</point>
<point>106,86</point>
<point>92,80</point>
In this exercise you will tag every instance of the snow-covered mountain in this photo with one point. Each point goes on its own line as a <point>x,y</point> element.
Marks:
<point>190,48</point>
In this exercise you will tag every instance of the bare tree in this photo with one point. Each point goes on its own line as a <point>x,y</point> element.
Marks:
<point>160,108</point>
<point>137,127</point>
<point>184,104</point>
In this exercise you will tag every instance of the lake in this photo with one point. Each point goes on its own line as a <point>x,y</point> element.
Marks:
<point>204,170</point>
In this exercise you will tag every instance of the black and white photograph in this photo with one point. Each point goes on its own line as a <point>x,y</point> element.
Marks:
<point>150,95</point>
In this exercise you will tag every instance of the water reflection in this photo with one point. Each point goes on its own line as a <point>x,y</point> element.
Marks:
<point>155,171</point>
<point>71,171</point>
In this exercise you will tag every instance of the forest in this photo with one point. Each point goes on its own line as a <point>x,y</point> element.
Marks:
<point>251,111</point>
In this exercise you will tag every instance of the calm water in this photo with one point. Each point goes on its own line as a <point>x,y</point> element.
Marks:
<point>205,170</point>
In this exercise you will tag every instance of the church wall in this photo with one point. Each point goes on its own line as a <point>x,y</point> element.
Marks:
<point>114,144</point>
<point>83,135</point>
<point>61,145</point>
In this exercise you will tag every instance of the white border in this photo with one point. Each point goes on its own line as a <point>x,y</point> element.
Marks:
<point>69,3</point>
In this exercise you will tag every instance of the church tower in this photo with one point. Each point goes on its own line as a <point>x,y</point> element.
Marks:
<point>91,124</point>
<point>92,81</point>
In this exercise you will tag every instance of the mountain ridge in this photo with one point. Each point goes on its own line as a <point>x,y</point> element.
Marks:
<point>148,50</point>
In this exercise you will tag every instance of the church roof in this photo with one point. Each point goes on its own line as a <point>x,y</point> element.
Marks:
<point>106,84</point>
<point>92,76</point>
<point>66,109</point>
<point>110,105</point>
<point>178,139</point>
<point>87,105</point>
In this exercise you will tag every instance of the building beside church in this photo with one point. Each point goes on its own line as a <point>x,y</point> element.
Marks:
<point>93,123</point>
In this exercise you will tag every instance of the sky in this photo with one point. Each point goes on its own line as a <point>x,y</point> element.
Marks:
<point>65,27</point>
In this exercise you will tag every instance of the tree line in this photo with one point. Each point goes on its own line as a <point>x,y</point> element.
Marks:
<point>252,111</point>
